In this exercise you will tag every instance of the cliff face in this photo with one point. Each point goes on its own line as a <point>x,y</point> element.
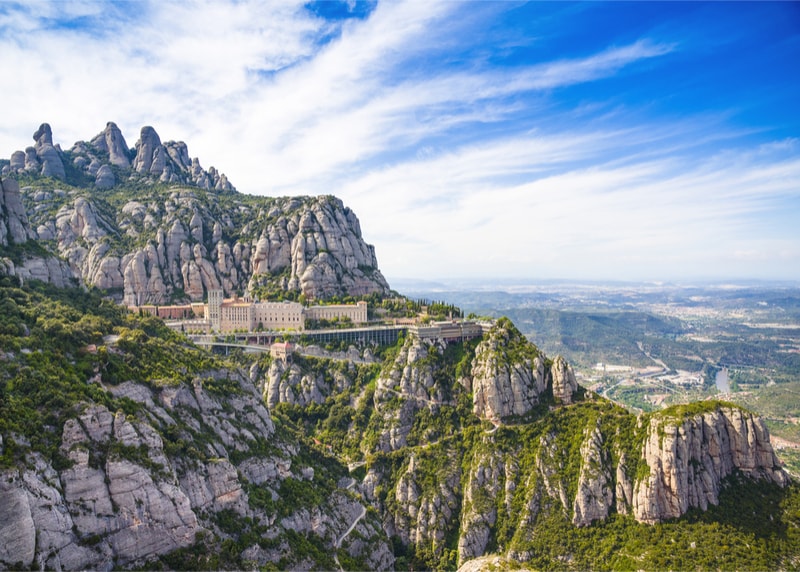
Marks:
<point>510,375</point>
<point>15,230</point>
<point>176,231</point>
<point>688,458</point>
<point>183,245</point>
<point>102,160</point>
<point>14,227</point>
<point>452,489</point>
<point>122,496</point>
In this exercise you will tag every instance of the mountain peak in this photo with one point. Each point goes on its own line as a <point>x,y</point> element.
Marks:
<point>98,158</point>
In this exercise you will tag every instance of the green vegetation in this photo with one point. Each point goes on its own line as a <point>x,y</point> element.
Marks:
<point>600,327</point>
<point>44,334</point>
<point>681,412</point>
<point>59,347</point>
<point>755,527</point>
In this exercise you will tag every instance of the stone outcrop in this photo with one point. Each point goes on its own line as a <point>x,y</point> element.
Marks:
<point>47,269</point>
<point>44,158</point>
<point>153,161</point>
<point>170,163</point>
<point>178,244</point>
<point>287,383</point>
<point>123,500</point>
<point>481,490</point>
<point>595,495</point>
<point>564,383</point>
<point>105,178</point>
<point>14,228</point>
<point>689,457</point>
<point>186,245</point>
<point>425,514</point>
<point>111,141</point>
<point>508,374</point>
<point>405,388</point>
<point>47,154</point>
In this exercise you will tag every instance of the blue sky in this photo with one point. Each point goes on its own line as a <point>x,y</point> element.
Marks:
<point>625,141</point>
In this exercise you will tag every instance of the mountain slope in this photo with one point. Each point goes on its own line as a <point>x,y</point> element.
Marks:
<point>166,230</point>
<point>122,446</point>
<point>488,447</point>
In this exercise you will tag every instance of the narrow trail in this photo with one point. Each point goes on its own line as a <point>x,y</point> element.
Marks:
<point>411,397</point>
<point>338,543</point>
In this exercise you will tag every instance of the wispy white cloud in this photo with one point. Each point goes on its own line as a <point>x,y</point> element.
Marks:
<point>449,164</point>
<point>680,215</point>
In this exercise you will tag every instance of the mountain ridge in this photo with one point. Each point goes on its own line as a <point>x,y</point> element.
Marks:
<point>170,232</point>
<point>123,445</point>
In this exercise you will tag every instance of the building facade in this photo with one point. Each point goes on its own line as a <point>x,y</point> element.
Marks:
<point>238,315</point>
<point>356,313</point>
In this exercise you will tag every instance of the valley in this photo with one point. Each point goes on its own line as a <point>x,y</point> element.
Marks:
<point>649,346</point>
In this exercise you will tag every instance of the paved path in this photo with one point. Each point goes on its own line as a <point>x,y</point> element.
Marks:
<point>338,543</point>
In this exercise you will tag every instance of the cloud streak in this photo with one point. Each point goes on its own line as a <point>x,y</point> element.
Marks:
<point>533,157</point>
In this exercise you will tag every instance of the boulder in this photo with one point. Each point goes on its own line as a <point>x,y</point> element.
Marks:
<point>105,178</point>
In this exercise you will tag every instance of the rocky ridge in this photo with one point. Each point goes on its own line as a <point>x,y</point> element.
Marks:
<point>688,459</point>
<point>106,160</point>
<point>549,449</point>
<point>467,448</point>
<point>123,498</point>
<point>171,243</point>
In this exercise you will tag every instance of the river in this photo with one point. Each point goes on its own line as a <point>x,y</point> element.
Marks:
<point>722,381</point>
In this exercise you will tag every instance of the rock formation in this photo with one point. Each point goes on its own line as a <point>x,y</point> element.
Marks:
<point>47,154</point>
<point>187,245</point>
<point>405,388</point>
<point>171,245</point>
<point>564,383</point>
<point>153,161</point>
<point>508,374</point>
<point>170,163</point>
<point>595,494</point>
<point>689,457</point>
<point>123,500</point>
<point>111,141</point>
<point>15,230</point>
<point>14,227</point>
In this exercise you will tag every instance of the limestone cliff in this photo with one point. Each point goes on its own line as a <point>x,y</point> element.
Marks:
<point>689,455</point>
<point>32,261</point>
<point>406,387</point>
<point>178,230</point>
<point>452,487</point>
<point>14,228</point>
<point>124,499</point>
<point>510,375</point>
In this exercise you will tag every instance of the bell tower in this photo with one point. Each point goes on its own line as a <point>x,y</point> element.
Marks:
<point>215,309</point>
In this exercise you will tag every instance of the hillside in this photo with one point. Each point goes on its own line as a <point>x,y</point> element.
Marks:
<point>123,445</point>
<point>160,229</point>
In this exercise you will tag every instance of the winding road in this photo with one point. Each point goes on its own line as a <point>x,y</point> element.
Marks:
<point>338,543</point>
